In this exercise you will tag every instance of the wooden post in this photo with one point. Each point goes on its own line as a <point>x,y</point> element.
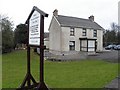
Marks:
<point>28,64</point>
<point>28,78</point>
<point>42,50</point>
<point>42,85</point>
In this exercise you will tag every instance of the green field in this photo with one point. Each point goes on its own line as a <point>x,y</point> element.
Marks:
<point>74,74</point>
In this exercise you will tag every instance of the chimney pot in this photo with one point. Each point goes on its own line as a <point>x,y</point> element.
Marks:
<point>91,18</point>
<point>55,12</point>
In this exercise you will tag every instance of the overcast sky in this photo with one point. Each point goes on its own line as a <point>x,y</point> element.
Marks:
<point>104,11</point>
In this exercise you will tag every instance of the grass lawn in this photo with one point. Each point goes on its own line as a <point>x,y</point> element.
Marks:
<point>74,74</point>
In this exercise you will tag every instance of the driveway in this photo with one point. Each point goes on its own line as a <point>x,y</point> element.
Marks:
<point>108,55</point>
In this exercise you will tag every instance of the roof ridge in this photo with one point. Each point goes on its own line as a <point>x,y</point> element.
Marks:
<point>74,17</point>
<point>77,22</point>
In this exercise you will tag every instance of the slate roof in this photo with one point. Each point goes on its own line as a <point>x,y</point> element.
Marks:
<point>69,21</point>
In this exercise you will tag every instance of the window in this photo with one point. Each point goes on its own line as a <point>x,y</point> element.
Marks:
<point>72,31</point>
<point>84,32</point>
<point>72,45</point>
<point>94,33</point>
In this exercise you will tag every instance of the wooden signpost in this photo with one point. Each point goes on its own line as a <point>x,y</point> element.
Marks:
<point>35,24</point>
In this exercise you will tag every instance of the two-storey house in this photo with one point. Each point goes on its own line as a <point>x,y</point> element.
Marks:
<point>68,35</point>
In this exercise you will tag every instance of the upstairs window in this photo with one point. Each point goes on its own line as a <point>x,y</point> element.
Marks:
<point>94,33</point>
<point>84,32</point>
<point>72,32</point>
<point>72,45</point>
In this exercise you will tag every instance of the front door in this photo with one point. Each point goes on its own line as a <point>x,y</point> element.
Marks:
<point>91,45</point>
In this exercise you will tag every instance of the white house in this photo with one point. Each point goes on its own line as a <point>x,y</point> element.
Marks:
<point>68,35</point>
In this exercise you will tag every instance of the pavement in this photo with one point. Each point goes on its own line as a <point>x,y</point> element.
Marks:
<point>114,84</point>
<point>77,56</point>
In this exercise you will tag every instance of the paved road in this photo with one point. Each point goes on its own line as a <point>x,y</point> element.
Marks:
<point>114,84</point>
<point>111,56</point>
<point>107,55</point>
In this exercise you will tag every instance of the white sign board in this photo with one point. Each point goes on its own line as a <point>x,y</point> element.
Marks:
<point>34,29</point>
<point>91,45</point>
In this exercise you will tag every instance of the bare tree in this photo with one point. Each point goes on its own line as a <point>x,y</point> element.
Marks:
<point>111,36</point>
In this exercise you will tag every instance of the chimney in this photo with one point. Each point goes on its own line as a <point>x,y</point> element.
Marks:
<point>55,12</point>
<point>91,18</point>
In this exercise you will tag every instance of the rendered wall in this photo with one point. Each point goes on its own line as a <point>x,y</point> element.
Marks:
<point>54,36</point>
